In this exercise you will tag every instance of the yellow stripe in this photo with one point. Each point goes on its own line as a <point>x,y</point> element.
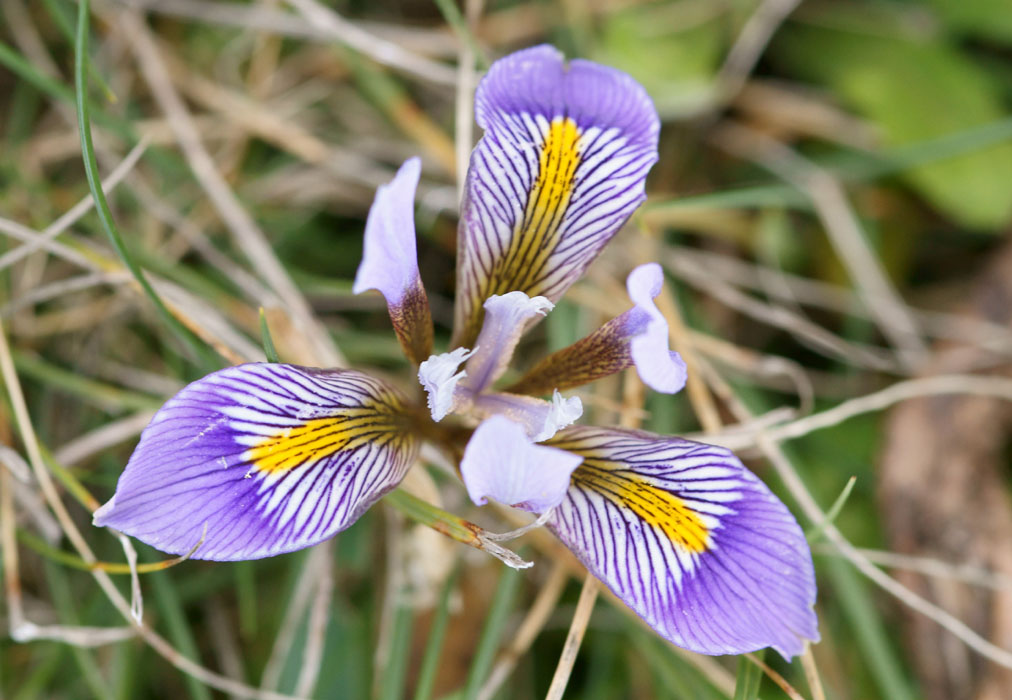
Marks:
<point>656,507</point>
<point>321,437</point>
<point>536,234</point>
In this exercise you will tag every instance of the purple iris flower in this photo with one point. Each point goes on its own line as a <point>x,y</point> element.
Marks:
<point>262,459</point>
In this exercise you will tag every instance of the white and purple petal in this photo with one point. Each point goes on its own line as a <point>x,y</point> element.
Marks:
<point>659,367</point>
<point>689,539</point>
<point>439,377</point>
<point>540,419</point>
<point>637,338</point>
<point>500,463</point>
<point>390,261</point>
<point>506,318</point>
<point>266,458</point>
<point>560,167</point>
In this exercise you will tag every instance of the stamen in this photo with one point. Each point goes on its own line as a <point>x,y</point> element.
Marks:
<point>506,556</point>
<point>521,531</point>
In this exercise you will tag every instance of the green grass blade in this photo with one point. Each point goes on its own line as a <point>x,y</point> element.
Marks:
<point>105,396</point>
<point>266,340</point>
<point>746,685</point>
<point>16,64</point>
<point>207,357</point>
<point>62,18</point>
<point>453,17</point>
<point>491,633</point>
<point>180,633</point>
<point>434,646</point>
<point>815,532</point>
<point>60,589</point>
<point>869,631</point>
<point>394,675</point>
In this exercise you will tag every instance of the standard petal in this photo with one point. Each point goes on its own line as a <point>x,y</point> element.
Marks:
<point>560,168</point>
<point>269,458</point>
<point>506,317</point>
<point>690,540</point>
<point>390,261</point>
<point>639,338</point>
<point>502,464</point>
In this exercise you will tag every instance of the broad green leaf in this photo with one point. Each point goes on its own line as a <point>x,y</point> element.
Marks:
<point>990,19</point>
<point>674,50</point>
<point>915,91</point>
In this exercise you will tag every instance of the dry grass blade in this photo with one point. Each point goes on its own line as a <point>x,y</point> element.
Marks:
<point>73,214</point>
<point>15,464</point>
<point>316,628</point>
<point>815,514</point>
<point>155,641</point>
<point>299,602</point>
<point>816,293</point>
<point>380,50</point>
<point>781,682</point>
<point>103,438</point>
<point>931,566</point>
<point>250,239</point>
<point>46,292</point>
<point>584,608</point>
<point>844,230</point>
<point>749,46</point>
<point>532,624</point>
<point>996,387</point>
<point>984,647</point>
<point>23,233</point>
<point>812,674</point>
<point>808,333</point>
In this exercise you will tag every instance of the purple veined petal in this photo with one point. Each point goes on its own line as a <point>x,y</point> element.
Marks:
<point>560,167</point>
<point>269,458</point>
<point>690,540</point>
<point>390,261</point>
<point>439,377</point>
<point>502,464</point>
<point>506,318</point>
<point>539,419</point>
<point>638,337</point>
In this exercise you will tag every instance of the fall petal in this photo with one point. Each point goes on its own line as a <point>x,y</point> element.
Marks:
<point>268,458</point>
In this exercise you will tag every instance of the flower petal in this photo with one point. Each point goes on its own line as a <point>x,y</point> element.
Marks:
<point>506,317</point>
<point>540,419</point>
<point>560,168</point>
<point>390,261</point>
<point>439,376</point>
<point>502,464</point>
<point>638,337</point>
<point>690,540</point>
<point>270,458</point>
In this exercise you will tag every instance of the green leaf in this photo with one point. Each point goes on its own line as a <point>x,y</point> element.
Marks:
<point>990,19</point>
<point>266,340</point>
<point>915,91</point>
<point>674,50</point>
<point>750,676</point>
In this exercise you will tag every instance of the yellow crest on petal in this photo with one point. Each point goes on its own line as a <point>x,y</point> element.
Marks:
<point>319,438</point>
<point>656,507</point>
<point>546,205</point>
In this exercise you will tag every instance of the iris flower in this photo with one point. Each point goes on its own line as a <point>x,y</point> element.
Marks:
<point>262,459</point>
